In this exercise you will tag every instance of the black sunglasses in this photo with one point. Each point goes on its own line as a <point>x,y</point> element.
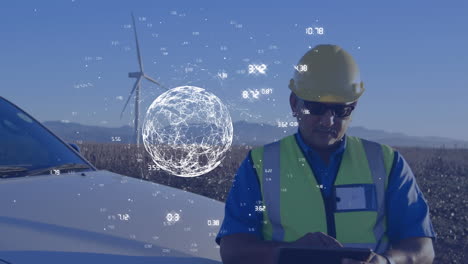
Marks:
<point>338,110</point>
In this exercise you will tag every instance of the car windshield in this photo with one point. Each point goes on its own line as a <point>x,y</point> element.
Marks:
<point>27,148</point>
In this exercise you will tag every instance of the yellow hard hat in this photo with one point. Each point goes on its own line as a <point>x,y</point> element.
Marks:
<point>327,74</point>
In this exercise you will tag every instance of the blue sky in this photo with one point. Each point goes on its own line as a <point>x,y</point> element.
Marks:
<point>69,60</point>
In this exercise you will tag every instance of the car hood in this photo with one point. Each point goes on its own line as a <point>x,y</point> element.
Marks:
<point>104,212</point>
<point>58,257</point>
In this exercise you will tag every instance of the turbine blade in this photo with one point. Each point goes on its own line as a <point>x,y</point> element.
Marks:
<point>137,83</point>
<point>153,80</point>
<point>140,63</point>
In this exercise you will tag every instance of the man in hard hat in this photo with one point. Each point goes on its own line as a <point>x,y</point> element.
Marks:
<point>322,188</point>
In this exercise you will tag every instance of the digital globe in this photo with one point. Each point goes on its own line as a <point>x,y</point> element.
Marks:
<point>187,131</point>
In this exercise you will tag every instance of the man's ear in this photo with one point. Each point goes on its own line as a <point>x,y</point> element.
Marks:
<point>293,104</point>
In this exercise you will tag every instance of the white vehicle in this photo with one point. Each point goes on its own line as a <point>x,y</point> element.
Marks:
<point>56,207</point>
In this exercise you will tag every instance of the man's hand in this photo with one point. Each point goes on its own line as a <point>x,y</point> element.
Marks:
<point>317,239</point>
<point>373,259</point>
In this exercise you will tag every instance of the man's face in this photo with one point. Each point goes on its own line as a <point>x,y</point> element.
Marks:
<point>320,131</point>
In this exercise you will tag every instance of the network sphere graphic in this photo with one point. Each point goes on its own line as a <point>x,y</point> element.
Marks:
<point>187,131</point>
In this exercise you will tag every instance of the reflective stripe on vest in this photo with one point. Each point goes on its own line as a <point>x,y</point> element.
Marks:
<point>375,159</point>
<point>271,195</point>
<point>274,174</point>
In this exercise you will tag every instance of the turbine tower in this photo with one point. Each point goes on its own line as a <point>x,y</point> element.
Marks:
<point>136,87</point>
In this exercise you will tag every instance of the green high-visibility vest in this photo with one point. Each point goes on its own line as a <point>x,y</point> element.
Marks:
<point>293,201</point>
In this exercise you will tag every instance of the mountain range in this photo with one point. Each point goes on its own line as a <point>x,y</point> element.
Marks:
<point>245,133</point>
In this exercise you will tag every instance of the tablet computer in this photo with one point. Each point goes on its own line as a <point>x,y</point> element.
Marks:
<point>321,255</point>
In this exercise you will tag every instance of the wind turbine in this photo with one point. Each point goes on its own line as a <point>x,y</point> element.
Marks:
<point>136,87</point>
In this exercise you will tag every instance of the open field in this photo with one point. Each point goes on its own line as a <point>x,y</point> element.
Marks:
<point>441,175</point>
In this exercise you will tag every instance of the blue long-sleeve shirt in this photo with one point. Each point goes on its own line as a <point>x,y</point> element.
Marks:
<point>407,209</point>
